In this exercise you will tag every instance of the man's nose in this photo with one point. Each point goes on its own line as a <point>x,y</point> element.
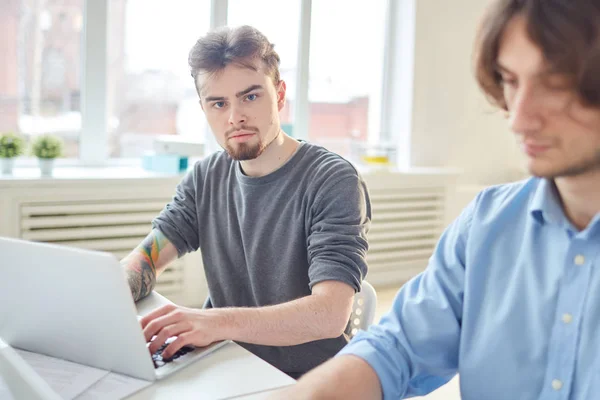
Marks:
<point>237,116</point>
<point>525,112</point>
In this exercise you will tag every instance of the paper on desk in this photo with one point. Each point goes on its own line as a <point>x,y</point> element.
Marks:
<point>113,386</point>
<point>18,380</point>
<point>66,378</point>
<point>5,393</point>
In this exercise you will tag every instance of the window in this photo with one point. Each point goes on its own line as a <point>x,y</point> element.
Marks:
<point>282,32</point>
<point>346,66</point>
<point>39,84</point>
<point>150,89</point>
<point>145,88</point>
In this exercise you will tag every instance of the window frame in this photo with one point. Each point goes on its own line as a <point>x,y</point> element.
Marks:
<point>396,84</point>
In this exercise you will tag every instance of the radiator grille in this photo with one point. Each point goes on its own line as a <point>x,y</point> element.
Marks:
<point>114,226</point>
<point>404,231</point>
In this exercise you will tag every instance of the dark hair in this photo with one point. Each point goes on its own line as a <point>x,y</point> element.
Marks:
<point>566,31</point>
<point>242,46</point>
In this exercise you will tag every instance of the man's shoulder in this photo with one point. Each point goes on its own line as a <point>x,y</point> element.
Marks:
<point>509,192</point>
<point>508,198</point>
<point>324,164</point>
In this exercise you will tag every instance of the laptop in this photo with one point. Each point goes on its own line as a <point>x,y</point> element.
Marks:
<point>76,305</point>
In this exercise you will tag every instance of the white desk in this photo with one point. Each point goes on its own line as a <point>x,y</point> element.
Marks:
<point>229,372</point>
<point>258,396</point>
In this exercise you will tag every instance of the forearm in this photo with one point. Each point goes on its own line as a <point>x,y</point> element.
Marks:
<point>145,263</point>
<point>345,377</point>
<point>141,281</point>
<point>299,321</point>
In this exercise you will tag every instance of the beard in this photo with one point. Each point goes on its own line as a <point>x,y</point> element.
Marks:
<point>245,151</point>
<point>582,167</point>
<point>248,151</point>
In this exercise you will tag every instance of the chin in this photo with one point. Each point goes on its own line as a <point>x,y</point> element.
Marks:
<point>542,171</point>
<point>555,172</point>
<point>244,153</point>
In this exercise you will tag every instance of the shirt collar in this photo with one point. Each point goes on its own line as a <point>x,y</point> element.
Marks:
<point>545,205</point>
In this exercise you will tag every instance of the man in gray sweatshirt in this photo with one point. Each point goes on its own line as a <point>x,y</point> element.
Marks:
<point>281,224</point>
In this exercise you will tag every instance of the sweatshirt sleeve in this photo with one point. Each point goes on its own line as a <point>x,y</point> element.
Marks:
<point>337,242</point>
<point>178,221</point>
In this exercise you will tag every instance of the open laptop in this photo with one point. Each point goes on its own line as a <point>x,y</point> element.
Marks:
<point>76,305</point>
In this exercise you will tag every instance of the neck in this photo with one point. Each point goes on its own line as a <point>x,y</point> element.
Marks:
<point>580,196</point>
<point>273,157</point>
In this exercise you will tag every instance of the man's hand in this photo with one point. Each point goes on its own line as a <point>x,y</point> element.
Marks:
<point>321,315</point>
<point>192,327</point>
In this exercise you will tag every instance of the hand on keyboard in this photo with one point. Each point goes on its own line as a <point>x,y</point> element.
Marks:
<point>158,359</point>
<point>191,327</point>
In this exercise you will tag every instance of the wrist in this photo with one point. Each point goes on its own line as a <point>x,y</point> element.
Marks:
<point>222,324</point>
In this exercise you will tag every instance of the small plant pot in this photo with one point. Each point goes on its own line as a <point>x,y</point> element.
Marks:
<point>46,166</point>
<point>7,165</point>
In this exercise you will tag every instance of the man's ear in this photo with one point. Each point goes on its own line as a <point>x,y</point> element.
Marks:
<point>201,105</point>
<point>281,88</point>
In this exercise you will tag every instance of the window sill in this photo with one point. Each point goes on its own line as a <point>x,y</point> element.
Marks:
<point>25,175</point>
<point>26,170</point>
<point>32,162</point>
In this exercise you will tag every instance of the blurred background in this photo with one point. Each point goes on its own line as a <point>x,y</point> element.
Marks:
<point>386,83</point>
<point>381,73</point>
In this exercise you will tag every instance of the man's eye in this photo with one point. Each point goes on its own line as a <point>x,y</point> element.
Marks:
<point>506,81</point>
<point>558,83</point>
<point>252,97</point>
<point>219,104</point>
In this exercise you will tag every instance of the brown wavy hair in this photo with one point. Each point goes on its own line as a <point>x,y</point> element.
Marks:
<point>241,46</point>
<point>566,31</point>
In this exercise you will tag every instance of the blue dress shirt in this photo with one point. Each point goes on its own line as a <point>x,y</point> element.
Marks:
<point>510,300</point>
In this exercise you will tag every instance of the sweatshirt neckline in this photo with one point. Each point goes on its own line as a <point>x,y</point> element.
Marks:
<point>281,171</point>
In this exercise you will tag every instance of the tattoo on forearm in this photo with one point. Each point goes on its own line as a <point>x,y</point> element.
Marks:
<point>133,278</point>
<point>142,275</point>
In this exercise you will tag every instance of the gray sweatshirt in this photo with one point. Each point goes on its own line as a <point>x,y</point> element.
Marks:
<point>269,240</point>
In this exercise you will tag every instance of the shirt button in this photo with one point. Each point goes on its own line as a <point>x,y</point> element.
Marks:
<point>579,259</point>
<point>556,384</point>
<point>567,318</point>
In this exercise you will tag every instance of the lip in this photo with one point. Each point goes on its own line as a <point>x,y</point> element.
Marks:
<point>242,136</point>
<point>534,149</point>
<point>241,133</point>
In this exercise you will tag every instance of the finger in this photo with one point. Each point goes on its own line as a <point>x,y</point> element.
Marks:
<point>183,339</point>
<point>159,323</point>
<point>167,332</point>
<point>157,313</point>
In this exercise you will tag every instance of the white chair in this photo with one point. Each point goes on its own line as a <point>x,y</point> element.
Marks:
<point>363,310</point>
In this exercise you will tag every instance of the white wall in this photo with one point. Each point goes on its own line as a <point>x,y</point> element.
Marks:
<point>452,123</point>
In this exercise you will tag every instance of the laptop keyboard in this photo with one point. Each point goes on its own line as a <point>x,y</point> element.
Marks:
<point>158,359</point>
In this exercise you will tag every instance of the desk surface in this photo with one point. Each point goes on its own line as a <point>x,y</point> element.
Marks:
<point>257,396</point>
<point>229,372</point>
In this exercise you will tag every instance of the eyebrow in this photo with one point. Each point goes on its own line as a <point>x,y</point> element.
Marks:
<point>238,94</point>
<point>500,68</point>
<point>248,90</point>
<point>548,71</point>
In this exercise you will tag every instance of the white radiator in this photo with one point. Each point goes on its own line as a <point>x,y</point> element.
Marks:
<point>116,226</point>
<point>114,215</point>
<point>408,217</point>
<point>110,214</point>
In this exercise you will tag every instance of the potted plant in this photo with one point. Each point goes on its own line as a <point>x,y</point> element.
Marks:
<point>46,148</point>
<point>11,146</point>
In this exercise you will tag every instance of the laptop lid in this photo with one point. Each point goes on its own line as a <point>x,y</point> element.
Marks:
<point>71,304</point>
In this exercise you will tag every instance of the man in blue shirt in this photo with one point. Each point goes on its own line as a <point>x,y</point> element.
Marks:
<point>511,297</point>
